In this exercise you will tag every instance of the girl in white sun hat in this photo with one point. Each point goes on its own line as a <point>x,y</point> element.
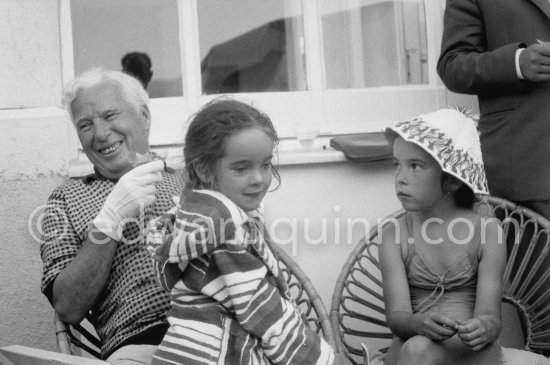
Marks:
<point>442,263</point>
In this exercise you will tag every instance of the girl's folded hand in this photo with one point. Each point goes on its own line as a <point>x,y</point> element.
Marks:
<point>435,326</point>
<point>473,333</point>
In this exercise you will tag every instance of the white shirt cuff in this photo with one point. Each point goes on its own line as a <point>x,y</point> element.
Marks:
<point>518,70</point>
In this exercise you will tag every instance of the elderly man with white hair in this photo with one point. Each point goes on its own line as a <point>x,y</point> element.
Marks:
<point>93,251</point>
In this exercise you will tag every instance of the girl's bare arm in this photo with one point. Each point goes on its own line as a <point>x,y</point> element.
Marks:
<point>485,326</point>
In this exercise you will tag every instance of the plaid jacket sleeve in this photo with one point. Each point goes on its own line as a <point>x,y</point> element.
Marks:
<point>60,242</point>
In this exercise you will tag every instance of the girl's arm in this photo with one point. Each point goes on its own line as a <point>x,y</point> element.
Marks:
<point>239,281</point>
<point>168,271</point>
<point>484,328</point>
<point>401,320</point>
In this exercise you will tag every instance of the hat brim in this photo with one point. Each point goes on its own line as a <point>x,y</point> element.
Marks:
<point>392,133</point>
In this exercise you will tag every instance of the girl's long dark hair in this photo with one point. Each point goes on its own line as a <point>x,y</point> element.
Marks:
<point>208,131</point>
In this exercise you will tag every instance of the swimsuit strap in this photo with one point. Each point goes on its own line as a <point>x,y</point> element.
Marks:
<point>474,246</point>
<point>407,249</point>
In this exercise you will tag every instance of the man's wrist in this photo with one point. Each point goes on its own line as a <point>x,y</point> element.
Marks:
<point>108,224</point>
<point>97,236</point>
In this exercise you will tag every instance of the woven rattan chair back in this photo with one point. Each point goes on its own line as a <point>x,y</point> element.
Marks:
<point>357,309</point>
<point>300,286</point>
<point>306,297</point>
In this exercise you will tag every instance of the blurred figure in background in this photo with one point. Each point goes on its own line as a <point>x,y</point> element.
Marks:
<point>138,64</point>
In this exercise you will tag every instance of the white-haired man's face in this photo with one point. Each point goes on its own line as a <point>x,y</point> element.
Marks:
<point>110,128</point>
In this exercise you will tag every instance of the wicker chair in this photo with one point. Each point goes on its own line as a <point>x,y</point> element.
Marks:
<point>300,286</point>
<point>357,311</point>
<point>68,336</point>
<point>306,297</point>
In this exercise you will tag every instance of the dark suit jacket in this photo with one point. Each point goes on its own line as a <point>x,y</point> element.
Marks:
<point>480,39</point>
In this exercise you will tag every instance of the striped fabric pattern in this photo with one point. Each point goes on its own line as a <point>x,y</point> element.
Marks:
<point>231,305</point>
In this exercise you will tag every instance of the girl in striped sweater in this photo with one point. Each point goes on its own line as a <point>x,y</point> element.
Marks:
<point>230,302</point>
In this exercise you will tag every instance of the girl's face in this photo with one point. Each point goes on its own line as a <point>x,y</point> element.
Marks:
<point>417,177</point>
<point>244,173</point>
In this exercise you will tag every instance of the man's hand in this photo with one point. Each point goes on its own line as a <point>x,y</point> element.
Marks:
<point>534,63</point>
<point>134,191</point>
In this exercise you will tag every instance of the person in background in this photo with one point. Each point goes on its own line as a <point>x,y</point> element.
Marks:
<point>138,64</point>
<point>93,250</point>
<point>497,51</point>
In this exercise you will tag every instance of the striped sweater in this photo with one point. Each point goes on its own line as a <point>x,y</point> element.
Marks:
<point>230,302</point>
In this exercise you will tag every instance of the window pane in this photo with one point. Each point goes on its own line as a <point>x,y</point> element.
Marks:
<point>371,43</point>
<point>251,46</point>
<point>105,30</point>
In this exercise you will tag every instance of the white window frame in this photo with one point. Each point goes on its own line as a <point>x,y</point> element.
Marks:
<point>338,111</point>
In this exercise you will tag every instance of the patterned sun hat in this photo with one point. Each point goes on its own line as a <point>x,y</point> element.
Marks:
<point>450,136</point>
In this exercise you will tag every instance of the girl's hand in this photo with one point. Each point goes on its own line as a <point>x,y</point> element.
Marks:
<point>434,326</point>
<point>474,333</point>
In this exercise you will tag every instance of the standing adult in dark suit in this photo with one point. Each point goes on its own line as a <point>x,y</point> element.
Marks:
<point>491,48</point>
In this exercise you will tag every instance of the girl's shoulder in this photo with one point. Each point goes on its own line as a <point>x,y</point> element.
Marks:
<point>390,228</point>
<point>204,221</point>
<point>212,213</point>
<point>476,218</point>
<point>469,214</point>
<point>211,204</point>
<point>489,233</point>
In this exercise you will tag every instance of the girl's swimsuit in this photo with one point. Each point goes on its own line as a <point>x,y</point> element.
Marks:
<point>451,293</point>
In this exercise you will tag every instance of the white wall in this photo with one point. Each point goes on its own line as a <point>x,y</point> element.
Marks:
<point>29,66</point>
<point>27,317</point>
<point>318,196</point>
<point>36,149</point>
